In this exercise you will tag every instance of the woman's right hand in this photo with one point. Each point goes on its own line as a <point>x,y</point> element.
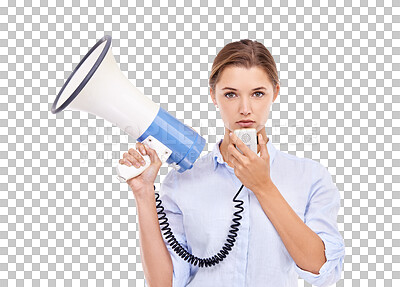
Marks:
<point>141,182</point>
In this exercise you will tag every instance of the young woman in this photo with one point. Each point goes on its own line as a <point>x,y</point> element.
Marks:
<point>290,204</point>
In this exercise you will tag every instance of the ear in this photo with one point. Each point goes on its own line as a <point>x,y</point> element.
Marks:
<point>213,97</point>
<point>277,88</point>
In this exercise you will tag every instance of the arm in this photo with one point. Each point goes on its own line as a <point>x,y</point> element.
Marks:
<point>303,240</point>
<point>304,246</point>
<point>315,244</point>
<point>155,249</point>
<point>157,263</point>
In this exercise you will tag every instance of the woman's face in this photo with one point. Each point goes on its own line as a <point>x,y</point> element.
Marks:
<point>244,94</point>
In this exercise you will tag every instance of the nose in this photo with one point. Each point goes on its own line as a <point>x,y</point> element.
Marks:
<point>245,106</point>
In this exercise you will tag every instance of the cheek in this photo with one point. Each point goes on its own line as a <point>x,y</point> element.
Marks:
<point>262,118</point>
<point>228,118</point>
<point>226,112</point>
<point>263,113</point>
<point>265,116</point>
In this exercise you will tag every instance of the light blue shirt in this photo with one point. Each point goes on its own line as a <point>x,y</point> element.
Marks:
<point>199,207</point>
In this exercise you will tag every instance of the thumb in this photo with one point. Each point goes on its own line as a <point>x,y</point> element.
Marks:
<point>263,147</point>
<point>152,154</point>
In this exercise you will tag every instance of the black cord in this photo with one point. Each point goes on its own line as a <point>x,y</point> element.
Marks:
<point>203,262</point>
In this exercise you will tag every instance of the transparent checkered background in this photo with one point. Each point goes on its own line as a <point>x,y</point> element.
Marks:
<point>65,220</point>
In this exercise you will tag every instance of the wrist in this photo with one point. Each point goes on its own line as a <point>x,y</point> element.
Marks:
<point>269,196</point>
<point>145,193</point>
<point>265,188</point>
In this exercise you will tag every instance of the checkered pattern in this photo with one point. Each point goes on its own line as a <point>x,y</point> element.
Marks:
<point>65,220</point>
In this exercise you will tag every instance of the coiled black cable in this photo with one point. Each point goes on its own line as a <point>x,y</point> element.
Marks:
<point>203,262</point>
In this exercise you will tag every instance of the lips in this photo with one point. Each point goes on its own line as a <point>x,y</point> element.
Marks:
<point>245,124</point>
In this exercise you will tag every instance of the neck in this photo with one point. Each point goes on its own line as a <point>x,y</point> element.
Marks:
<point>227,140</point>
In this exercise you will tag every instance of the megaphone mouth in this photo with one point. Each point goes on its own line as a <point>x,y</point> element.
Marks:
<point>88,76</point>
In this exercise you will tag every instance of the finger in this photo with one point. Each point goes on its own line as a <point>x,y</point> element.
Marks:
<point>132,161</point>
<point>234,162</point>
<point>135,154</point>
<point>152,154</point>
<point>244,148</point>
<point>263,147</point>
<point>235,154</point>
<point>134,157</point>
<point>125,162</point>
<point>239,144</point>
<point>141,148</point>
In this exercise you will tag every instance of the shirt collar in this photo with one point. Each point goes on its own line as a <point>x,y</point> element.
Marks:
<point>217,156</point>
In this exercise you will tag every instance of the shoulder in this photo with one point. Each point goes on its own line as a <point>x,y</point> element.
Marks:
<point>181,187</point>
<point>311,174</point>
<point>299,165</point>
<point>204,163</point>
<point>304,171</point>
<point>201,168</point>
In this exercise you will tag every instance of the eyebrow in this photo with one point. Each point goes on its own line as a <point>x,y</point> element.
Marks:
<point>259,88</point>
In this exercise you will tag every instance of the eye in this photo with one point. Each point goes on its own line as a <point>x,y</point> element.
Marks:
<point>260,94</point>
<point>227,95</point>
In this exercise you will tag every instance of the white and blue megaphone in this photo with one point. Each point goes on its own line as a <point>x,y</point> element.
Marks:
<point>98,86</point>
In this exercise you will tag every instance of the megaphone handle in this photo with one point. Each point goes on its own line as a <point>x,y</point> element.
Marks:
<point>127,172</point>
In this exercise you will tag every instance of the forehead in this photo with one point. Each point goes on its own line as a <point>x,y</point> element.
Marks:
<point>242,78</point>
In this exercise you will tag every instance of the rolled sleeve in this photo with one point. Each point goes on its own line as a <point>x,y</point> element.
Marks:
<point>181,268</point>
<point>321,216</point>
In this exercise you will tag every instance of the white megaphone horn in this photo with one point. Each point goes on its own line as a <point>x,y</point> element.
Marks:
<point>98,86</point>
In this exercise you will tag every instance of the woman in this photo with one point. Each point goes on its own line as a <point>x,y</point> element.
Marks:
<point>288,226</point>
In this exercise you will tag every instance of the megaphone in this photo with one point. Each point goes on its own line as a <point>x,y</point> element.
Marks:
<point>98,86</point>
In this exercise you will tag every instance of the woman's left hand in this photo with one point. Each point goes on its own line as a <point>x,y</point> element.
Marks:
<point>252,170</point>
